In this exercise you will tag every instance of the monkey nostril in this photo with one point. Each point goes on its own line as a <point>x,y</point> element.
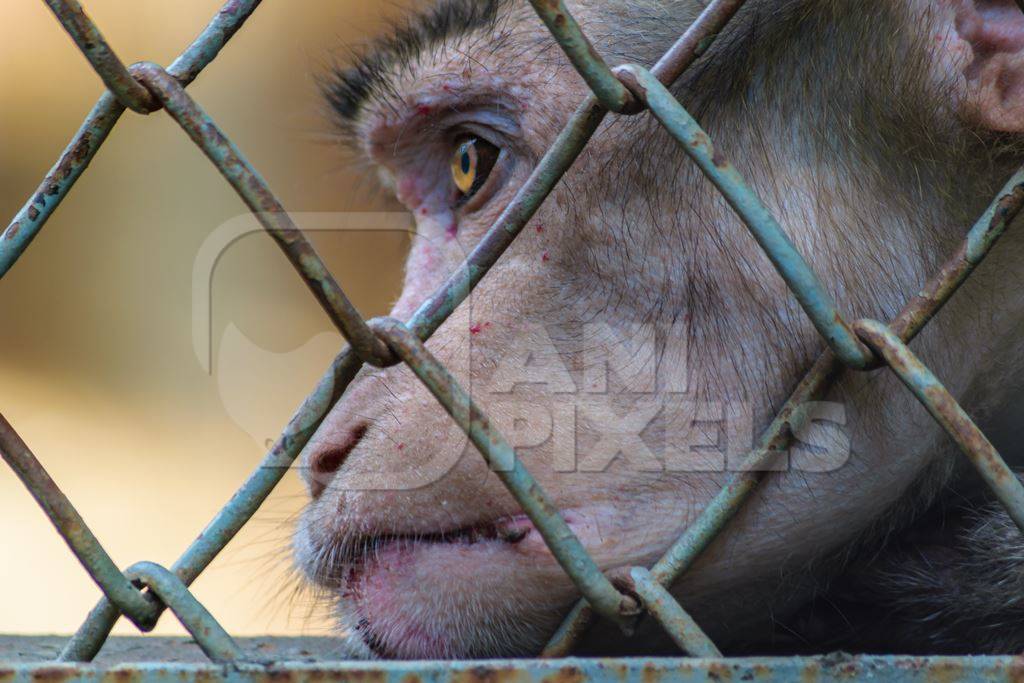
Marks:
<point>326,462</point>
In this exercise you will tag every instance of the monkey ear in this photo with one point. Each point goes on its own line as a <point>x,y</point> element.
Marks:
<point>986,39</point>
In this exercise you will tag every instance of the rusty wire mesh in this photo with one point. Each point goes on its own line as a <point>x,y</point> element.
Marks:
<point>143,591</point>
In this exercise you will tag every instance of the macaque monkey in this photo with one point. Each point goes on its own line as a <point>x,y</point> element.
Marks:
<point>634,341</point>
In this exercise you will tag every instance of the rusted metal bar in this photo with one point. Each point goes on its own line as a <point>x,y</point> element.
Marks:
<point>697,39</point>
<point>679,625</point>
<point>941,405</point>
<point>86,642</point>
<point>1003,210</point>
<point>73,529</point>
<point>253,190</point>
<point>104,61</point>
<point>578,48</point>
<point>208,44</point>
<point>603,80</point>
<point>27,223</point>
<point>547,519</point>
<point>833,668</point>
<point>573,628</point>
<point>197,620</point>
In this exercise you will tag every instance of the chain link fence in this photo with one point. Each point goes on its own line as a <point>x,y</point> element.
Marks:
<point>142,592</point>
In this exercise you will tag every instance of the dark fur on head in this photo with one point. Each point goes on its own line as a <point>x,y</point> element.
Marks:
<point>347,89</point>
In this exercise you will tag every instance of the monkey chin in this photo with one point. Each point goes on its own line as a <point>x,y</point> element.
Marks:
<point>456,596</point>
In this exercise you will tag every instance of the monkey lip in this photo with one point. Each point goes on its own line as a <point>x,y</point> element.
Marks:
<point>373,573</point>
<point>368,550</point>
<point>507,530</point>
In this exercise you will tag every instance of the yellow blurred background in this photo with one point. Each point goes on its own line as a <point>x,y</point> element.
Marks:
<point>97,367</point>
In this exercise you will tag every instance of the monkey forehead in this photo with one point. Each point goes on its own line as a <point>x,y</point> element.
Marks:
<point>455,44</point>
<point>442,50</point>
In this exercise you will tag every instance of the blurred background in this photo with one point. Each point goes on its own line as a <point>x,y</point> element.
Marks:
<point>98,370</point>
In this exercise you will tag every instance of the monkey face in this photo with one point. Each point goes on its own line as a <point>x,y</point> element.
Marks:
<point>633,341</point>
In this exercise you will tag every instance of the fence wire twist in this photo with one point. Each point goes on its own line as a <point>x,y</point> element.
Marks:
<point>143,591</point>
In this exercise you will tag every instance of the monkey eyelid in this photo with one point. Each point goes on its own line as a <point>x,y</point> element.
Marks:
<point>431,112</point>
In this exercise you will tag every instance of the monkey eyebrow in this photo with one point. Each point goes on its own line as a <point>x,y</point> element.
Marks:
<point>373,74</point>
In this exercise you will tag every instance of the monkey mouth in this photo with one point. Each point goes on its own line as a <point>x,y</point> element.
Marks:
<point>511,530</point>
<point>374,563</point>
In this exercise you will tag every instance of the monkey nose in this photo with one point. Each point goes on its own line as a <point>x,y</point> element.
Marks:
<point>328,459</point>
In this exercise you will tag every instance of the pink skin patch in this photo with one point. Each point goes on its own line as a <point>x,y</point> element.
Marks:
<point>989,48</point>
<point>379,587</point>
<point>408,192</point>
<point>452,230</point>
<point>478,328</point>
<point>992,25</point>
<point>545,257</point>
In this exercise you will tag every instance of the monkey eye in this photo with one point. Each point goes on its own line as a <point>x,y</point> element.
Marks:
<point>473,160</point>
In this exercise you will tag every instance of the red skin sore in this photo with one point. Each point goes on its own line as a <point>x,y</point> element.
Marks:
<point>545,257</point>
